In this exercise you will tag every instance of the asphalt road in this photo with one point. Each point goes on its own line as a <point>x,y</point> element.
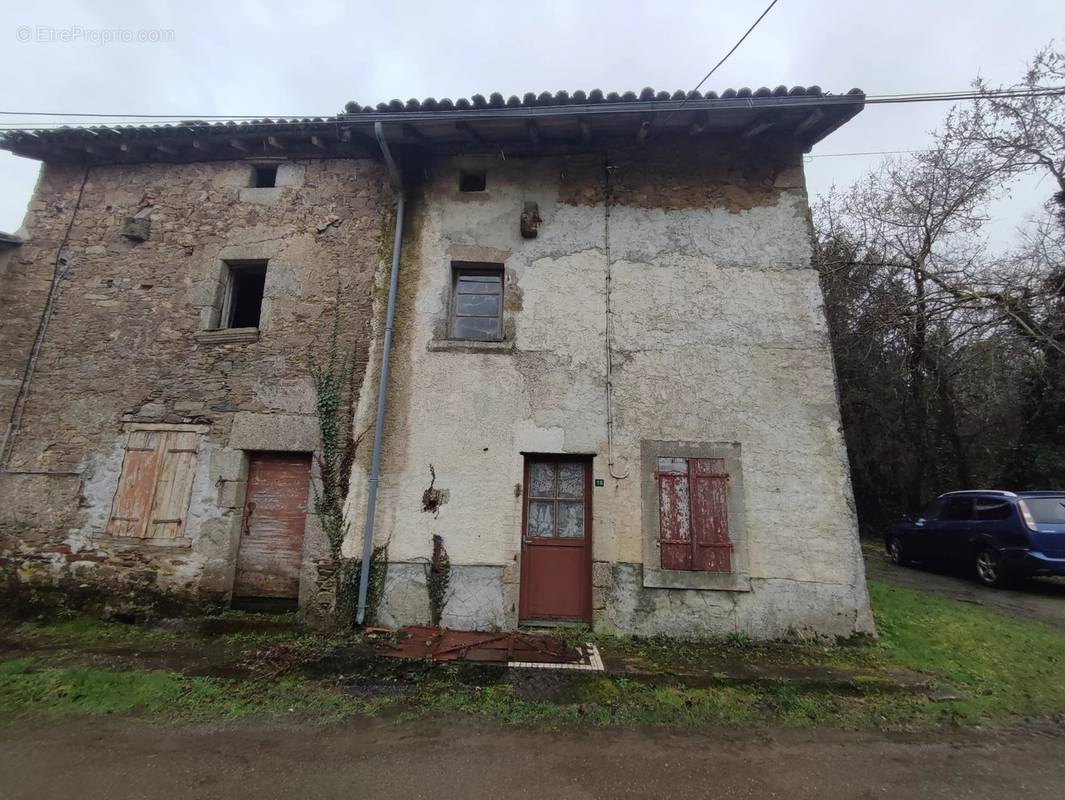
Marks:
<point>120,758</point>
<point>1040,599</point>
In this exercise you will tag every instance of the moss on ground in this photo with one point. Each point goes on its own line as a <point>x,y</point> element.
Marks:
<point>1003,669</point>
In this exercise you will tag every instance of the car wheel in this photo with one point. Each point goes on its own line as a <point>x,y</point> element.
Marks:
<point>990,570</point>
<point>896,552</point>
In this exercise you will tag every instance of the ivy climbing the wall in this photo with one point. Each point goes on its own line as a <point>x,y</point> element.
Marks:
<point>332,374</point>
<point>437,580</point>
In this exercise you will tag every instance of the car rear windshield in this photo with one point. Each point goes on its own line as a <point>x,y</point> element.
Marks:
<point>1047,510</point>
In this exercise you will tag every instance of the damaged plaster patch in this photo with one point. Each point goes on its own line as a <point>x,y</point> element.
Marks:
<point>433,498</point>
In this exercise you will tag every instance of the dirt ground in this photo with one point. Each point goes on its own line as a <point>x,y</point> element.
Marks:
<point>1040,599</point>
<point>125,758</point>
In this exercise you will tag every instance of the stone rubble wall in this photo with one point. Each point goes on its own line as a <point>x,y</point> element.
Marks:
<point>124,344</point>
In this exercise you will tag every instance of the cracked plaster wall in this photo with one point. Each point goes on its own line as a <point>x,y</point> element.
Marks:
<point>719,336</point>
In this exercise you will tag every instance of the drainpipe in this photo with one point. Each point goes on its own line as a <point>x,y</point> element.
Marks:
<point>382,388</point>
<point>609,330</point>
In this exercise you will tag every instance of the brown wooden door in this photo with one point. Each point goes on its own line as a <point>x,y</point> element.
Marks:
<point>556,559</point>
<point>275,512</point>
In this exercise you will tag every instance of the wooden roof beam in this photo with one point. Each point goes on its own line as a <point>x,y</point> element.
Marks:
<point>804,127</point>
<point>412,132</point>
<point>645,129</point>
<point>586,130</point>
<point>756,128</point>
<point>699,124</point>
<point>471,134</point>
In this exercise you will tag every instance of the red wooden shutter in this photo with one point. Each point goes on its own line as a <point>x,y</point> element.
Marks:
<point>712,549</point>
<point>674,513</point>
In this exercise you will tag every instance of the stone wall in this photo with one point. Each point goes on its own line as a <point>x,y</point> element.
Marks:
<point>719,341</point>
<point>125,344</point>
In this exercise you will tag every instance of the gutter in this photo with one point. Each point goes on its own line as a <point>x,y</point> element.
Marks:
<point>382,387</point>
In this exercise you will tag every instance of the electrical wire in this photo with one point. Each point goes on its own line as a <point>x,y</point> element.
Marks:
<point>734,47</point>
<point>725,58</point>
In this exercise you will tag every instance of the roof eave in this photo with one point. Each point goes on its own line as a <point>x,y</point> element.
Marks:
<point>548,128</point>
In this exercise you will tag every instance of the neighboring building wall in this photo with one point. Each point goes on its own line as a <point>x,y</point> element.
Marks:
<point>126,348</point>
<point>719,339</point>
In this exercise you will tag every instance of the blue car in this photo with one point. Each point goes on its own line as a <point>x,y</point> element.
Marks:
<point>999,536</point>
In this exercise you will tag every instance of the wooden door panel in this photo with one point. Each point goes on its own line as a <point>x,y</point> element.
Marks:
<point>275,513</point>
<point>556,563</point>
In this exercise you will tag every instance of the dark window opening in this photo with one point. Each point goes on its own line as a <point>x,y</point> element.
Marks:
<point>264,176</point>
<point>477,303</point>
<point>472,181</point>
<point>246,283</point>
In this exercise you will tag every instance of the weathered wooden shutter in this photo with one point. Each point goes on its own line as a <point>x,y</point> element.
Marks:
<point>712,549</point>
<point>173,487</point>
<point>136,486</point>
<point>155,487</point>
<point>674,513</point>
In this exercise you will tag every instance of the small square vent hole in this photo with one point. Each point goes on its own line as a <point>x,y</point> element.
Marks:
<point>472,181</point>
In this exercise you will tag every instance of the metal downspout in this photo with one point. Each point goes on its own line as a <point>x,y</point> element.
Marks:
<point>382,388</point>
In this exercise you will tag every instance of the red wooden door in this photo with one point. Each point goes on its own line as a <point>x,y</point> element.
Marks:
<point>556,559</point>
<point>275,512</point>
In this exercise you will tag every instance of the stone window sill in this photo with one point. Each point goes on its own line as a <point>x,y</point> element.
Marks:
<point>469,346</point>
<point>228,336</point>
<point>261,195</point>
<point>705,581</point>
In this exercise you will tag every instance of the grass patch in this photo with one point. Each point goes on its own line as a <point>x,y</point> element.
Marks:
<point>605,701</point>
<point>1004,667</point>
<point>76,630</point>
<point>57,692</point>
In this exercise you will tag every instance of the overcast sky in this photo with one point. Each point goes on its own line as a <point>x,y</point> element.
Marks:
<point>309,58</point>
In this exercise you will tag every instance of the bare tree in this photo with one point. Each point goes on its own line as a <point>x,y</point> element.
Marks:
<point>951,357</point>
<point>1026,128</point>
<point>912,226</point>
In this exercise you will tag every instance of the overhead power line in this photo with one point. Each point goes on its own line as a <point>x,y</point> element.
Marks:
<point>735,47</point>
<point>724,58</point>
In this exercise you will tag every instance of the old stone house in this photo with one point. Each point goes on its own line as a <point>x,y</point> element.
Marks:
<point>609,387</point>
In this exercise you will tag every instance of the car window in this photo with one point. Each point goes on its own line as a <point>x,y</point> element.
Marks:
<point>1046,510</point>
<point>958,508</point>
<point>990,509</point>
<point>935,508</point>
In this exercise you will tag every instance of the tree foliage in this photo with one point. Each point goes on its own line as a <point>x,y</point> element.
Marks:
<point>950,355</point>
